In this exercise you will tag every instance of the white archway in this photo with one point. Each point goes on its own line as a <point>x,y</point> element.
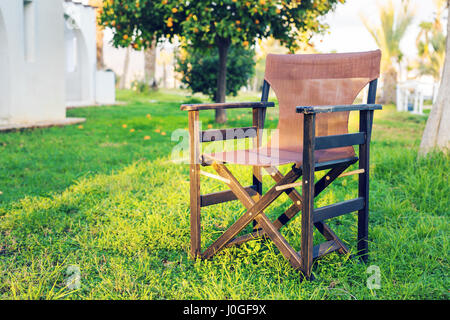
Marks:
<point>78,78</point>
<point>4,74</point>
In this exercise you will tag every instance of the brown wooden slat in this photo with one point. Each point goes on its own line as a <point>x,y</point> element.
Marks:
<point>228,134</point>
<point>338,209</point>
<point>340,140</point>
<point>325,248</point>
<point>280,242</point>
<point>223,196</point>
<point>246,237</point>
<point>225,105</point>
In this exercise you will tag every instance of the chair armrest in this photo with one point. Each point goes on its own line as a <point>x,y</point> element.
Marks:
<point>325,109</point>
<point>227,105</point>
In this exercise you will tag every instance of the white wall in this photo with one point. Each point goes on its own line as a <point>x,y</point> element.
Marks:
<point>36,62</point>
<point>4,72</point>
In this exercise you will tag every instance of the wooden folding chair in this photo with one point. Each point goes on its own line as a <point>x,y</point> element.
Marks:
<point>315,94</point>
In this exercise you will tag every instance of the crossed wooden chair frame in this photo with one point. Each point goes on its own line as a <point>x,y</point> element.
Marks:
<point>256,202</point>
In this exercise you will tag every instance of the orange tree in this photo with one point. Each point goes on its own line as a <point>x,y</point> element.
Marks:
<point>215,23</point>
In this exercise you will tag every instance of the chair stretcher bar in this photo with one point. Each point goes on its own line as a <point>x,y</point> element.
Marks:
<point>339,140</point>
<point>223,196</point>
<point>338,209</point>
<point>227,134</point>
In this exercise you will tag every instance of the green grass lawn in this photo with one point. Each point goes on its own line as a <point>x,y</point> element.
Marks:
<point>106,198</point>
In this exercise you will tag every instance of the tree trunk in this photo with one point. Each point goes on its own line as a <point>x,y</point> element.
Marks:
<point>98,4</point>
<point>437,129</point>
<point>100,60</point>
<point>150,65</point>
<point>223,46</point>
<point>164,75</point>
<point>123,79</point>
<point>389,86</point>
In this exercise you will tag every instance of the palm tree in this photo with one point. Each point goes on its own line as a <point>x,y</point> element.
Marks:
<point>388,34</point>
<point>431,44</point>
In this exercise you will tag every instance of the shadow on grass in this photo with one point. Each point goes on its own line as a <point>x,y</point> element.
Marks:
<point>128,230</point>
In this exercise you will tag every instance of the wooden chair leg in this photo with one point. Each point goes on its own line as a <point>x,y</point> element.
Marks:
<point>257,182</point>
<point>308,195</point>
<point>365,123</point>
<point>194,174</point>
<point>259,115</point>
<point>195,211</point>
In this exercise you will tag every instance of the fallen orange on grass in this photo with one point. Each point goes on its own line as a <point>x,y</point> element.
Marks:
<point>147,138</point>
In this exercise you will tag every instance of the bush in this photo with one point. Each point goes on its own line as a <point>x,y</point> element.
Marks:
<point>200,69</point>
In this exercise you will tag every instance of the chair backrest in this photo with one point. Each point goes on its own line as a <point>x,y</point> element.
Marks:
<point>314,80</point>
